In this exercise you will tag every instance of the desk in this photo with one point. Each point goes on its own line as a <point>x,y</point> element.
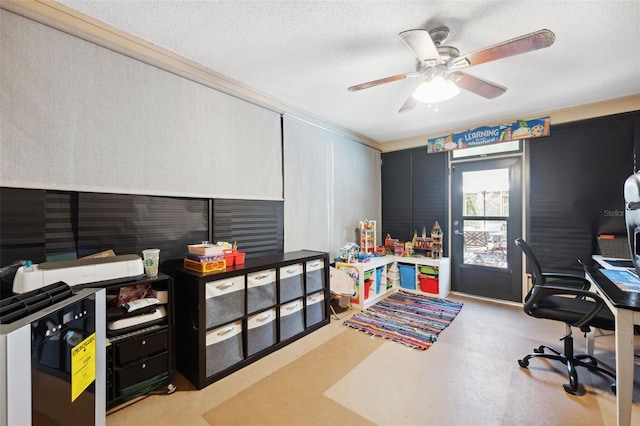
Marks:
<point>626,308</point>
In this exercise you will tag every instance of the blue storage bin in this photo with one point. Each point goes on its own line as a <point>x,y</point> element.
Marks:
<point>407,276</point>
<point>379,279</point>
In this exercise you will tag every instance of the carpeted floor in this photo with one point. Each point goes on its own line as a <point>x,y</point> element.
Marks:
<point>341,376</point>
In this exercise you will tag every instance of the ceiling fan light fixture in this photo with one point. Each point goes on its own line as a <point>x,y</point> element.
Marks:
<point>435,90</point>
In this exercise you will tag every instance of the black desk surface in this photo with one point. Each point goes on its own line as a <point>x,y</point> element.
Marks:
<point>619,298</point>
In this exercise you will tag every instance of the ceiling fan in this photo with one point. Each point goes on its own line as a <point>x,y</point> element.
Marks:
<point>440,65</point>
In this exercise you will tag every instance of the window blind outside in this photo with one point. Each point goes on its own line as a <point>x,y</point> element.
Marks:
<point>397,191</point>
<point>22,225</point>
<point>257,226</point>
<point>61,226</point>
<point>129,224</point>
<point>576,188</point>
<point>429,191</point>
<point>414,192</point>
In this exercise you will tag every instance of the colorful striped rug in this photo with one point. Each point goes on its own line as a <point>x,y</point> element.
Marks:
<point>412,319</point>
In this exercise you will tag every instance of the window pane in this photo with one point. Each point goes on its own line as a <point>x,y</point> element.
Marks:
<point>486,195</point>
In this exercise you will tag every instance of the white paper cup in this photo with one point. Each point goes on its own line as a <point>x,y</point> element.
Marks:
<point>150,258</point>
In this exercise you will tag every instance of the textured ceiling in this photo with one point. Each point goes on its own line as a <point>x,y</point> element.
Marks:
<point>306,54</point>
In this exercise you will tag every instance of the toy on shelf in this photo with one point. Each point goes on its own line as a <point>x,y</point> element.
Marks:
<point>368,236</point>
<point>422,244</point>
<point>429,246</point>
<point>436,241</point>
<point>350,253</point>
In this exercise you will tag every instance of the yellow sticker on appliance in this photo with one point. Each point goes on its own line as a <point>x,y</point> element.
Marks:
<point>83,366</point>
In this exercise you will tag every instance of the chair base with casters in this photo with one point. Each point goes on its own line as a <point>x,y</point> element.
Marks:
<point>565,298</point>
<point>572,361</point>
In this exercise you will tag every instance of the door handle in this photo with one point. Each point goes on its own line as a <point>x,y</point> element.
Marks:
<point>456,232</point>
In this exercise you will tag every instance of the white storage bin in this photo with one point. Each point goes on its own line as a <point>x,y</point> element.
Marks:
<point>291,319</point>
<point>224,301</point>
<point>315,308</point>
<point>261,290</point>
<point>261,331</point>
<point>291,283</point>
<point>315,275</point>
<point>223,347</point>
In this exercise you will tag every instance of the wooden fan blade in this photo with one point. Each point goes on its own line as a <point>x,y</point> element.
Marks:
<point>476,85</point>
<point>523,44</point>
<point>421,43</point>
<point>409,104</point>
<point>383,81</point>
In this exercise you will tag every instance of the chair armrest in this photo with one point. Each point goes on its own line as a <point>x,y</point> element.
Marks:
<point>539,292</point>
<point>584,283</point>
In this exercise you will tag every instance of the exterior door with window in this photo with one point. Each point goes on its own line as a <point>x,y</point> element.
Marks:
<point>486,217</point>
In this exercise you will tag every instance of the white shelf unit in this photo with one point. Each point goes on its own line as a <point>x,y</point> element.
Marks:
<point>386,269</point>
<point>373,289</point>
<point>444,273</point>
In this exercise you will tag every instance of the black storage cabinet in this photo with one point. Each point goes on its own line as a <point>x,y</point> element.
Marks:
<point>229,319</point>
<point>142,359</point>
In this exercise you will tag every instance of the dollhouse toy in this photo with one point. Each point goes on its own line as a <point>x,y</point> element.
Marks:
<point>436,241</point>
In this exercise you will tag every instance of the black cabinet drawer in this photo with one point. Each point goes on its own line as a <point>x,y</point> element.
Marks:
<point>141,347</point>
<point>141,370</point>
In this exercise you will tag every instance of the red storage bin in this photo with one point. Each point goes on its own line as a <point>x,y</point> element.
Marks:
<point>365,287</point>
<point>428,284</point>
<point>238,258</point>
<point>229,257</point>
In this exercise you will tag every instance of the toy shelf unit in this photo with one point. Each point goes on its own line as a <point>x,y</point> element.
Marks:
<point>425,275</point>
<point>380,276</point>
<point>368,236</point>
<point>226,320</point>
<point>370,278</point>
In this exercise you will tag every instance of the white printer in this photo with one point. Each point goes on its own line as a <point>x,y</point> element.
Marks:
<point>105,270</point>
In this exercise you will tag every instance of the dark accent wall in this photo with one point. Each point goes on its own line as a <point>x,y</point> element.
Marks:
<point>41,225</point>
<point>576,187</point>
<point>414,192</point>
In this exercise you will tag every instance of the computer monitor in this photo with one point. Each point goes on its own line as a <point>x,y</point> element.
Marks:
<point>632,217</point>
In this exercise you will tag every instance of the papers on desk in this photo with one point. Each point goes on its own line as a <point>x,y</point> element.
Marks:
<point>625,280</point>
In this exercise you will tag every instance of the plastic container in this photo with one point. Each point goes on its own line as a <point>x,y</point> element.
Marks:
<point>429,270</point>
<point>229,257</point>
<point>428,284</point>
<point>367,287</point>
<point>379,279</point>
<point>407,276</point>
<point>238,258</point>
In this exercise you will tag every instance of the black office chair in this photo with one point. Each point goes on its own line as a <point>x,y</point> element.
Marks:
<point>550,298</point>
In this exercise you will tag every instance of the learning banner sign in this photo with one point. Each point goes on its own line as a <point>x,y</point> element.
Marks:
<point>521,129</point>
